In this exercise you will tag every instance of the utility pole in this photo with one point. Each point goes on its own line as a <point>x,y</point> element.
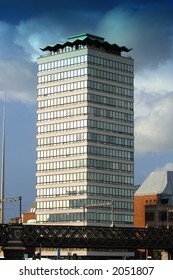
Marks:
<point>19,198</point>
<point>3,163</point>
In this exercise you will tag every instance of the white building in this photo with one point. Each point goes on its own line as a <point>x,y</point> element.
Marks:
<point>85,134</point>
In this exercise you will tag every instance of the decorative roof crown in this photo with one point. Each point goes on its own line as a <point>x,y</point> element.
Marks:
<point>87,39</point>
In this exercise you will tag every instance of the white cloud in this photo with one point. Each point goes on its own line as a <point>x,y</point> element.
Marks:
<point>157,80</point>
<point>153,109</point>
<point>154,131</point>
<point>166,167</point>
<point>20,80</point>
<point>151,85</point>
<point>36,33</point>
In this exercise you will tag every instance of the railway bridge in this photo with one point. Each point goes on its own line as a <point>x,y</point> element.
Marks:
<point>17,238</point>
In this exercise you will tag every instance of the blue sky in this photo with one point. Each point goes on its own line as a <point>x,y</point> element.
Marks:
<point>26,26</point>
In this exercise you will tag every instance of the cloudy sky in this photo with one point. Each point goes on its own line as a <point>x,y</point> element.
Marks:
<point>26,26</point>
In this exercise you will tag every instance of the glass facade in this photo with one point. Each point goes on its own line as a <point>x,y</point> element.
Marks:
<point>85,137</point>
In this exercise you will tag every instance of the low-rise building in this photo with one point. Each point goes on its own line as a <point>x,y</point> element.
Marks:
<point>29,217</point>
<point>153,206</point>
<point>153,201</point>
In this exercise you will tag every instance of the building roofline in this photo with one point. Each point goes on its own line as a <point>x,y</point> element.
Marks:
<point>85,35</point>
<point>86,39</point>
<point>158,182</point>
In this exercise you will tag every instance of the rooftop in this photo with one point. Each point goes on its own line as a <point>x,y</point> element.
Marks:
<point>87,39</point>
<point>84,36</point>
<point>158,182</point>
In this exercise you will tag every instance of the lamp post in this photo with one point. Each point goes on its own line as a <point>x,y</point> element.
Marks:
<point>40,249</point>
<point>3,164</point>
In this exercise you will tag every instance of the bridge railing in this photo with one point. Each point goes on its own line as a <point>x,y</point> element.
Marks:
<point>87,236</point>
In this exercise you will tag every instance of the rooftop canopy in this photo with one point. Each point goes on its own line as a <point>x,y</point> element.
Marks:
<point>84,36</point>
<point>88,40</point>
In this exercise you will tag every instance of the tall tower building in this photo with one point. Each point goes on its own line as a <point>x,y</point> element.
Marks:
<point>85,134</point>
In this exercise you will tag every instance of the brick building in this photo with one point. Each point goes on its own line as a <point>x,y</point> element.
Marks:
<point>29,216</point>
<point>153,201</point>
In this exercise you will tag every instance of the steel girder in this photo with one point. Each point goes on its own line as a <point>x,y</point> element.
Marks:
<point>90,237</point>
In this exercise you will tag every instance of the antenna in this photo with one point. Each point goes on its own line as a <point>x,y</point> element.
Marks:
<point>3,162</point>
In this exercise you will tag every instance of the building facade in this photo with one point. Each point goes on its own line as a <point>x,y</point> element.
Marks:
<point>153,201</point>
<point>153,207</point>
<point>85,134</point>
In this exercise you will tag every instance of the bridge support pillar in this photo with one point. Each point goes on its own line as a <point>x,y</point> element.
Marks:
<point>170,254</point>
<point>14,249</point>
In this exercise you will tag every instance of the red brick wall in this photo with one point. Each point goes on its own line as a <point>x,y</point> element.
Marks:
<point>28,216</point>
<point>139,208</point>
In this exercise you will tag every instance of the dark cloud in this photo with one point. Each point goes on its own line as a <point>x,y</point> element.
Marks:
<point>149,31</point>
<point>17,10</point>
